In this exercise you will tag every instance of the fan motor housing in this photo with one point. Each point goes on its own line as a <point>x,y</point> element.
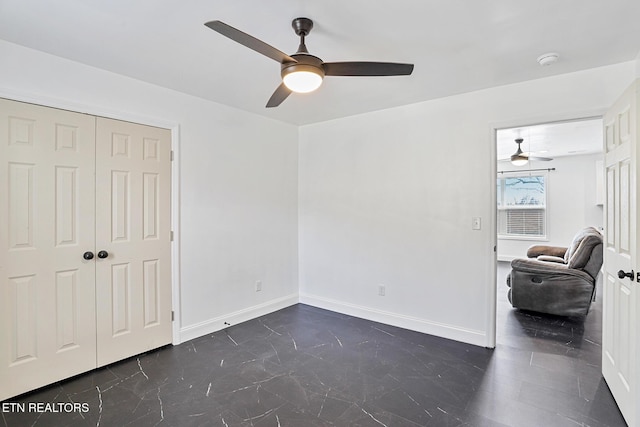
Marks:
<point>305,62</point>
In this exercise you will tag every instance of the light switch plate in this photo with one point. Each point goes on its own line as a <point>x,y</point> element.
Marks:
<point>476,223</point>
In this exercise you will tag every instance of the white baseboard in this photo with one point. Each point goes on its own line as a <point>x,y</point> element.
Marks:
<point>453,332</point>
<point>212,325</point>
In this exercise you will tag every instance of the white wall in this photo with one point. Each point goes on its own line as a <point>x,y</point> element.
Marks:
<point>238,184</point>
<point>571,200</point>
<point>388,198</point>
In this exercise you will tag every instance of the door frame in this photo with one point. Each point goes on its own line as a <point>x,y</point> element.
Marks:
<point>174,127</point>
<point>492,291</point>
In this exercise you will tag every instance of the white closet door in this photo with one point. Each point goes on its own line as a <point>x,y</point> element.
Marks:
<point>47,293</point>
<point>133,282</point>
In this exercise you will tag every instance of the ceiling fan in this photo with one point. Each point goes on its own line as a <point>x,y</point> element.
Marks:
<point>303,72</point>
<point>520,158</point>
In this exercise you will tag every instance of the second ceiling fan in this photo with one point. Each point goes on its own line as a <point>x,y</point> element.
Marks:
<point>302,72</point>
<point>520,158</point>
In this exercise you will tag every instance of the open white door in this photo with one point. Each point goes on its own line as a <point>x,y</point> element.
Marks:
<point>620,334</point>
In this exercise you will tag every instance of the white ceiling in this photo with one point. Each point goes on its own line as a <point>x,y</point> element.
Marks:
<point>552,140</point>
<point>456,45</point>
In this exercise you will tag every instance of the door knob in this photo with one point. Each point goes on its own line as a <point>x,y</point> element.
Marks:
<point>621,274</point>
<point>87,255</point>
<point>103,254</point>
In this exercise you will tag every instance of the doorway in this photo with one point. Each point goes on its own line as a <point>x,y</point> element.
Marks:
<point>548,186</point>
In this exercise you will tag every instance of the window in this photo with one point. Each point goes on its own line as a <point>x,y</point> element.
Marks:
<point>522,206</point>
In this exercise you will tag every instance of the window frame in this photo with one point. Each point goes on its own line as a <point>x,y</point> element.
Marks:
<point>500,188</point>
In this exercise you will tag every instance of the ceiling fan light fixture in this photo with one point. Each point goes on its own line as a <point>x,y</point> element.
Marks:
<point>519,160</point>
<point>302,78</point>
<point>302,81</point>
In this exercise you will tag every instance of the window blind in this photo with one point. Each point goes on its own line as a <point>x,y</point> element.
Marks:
<point>525,222</point>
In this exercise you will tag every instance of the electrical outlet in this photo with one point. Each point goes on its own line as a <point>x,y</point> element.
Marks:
<point>258,285</point>
<point>382,290</point>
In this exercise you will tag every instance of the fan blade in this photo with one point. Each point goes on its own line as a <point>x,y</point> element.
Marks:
<point>249,41</point>
<point>367,69</point>
<point>278,96</point>
<point>531,156</point>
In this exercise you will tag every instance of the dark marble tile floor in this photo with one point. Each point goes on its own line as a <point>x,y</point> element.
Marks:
<point>304,366</point>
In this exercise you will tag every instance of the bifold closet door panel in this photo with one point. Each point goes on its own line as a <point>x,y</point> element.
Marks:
<point>133,239</point>
<point>47,223</point>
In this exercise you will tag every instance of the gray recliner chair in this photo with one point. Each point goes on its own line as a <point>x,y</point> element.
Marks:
<point>558,280</point>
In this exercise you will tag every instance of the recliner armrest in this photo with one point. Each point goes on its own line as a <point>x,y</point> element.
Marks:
<point>536,250</point>
<point>549,258</point>
<point>533,266</point>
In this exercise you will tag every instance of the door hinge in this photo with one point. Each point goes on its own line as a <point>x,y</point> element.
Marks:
<point>173,315</point>
<point>172,235</point>
<point>172,155</point>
